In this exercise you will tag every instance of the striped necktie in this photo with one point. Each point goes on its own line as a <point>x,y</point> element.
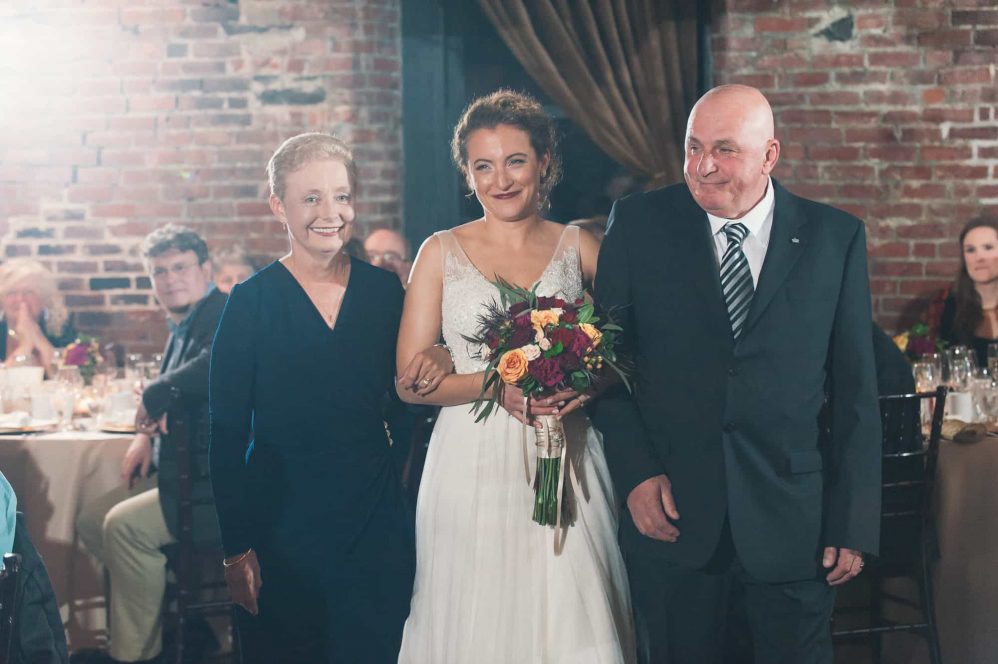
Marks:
<point>736,277</point>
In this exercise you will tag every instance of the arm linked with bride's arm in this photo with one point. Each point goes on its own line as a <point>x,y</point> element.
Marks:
<point>420,329</point>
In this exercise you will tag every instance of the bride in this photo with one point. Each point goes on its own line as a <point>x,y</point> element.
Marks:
<point>489,585</point>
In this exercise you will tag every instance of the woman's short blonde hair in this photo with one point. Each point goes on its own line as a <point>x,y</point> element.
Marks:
<point>32,275</point>
<point>302,149</point>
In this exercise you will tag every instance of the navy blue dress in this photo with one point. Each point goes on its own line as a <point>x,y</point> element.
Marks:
<point>316,493</point>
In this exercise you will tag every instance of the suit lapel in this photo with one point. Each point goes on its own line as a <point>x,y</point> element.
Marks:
<point>698,263</point>
<point>786,243</point>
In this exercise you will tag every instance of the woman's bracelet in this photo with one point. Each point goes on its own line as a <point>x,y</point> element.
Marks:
<point>227,562</point>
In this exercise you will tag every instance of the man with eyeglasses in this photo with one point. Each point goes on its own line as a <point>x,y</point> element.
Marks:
<point>389,250</point>
<point>127,528</point>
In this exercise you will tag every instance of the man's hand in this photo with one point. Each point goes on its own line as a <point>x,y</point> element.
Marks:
<point>651,505</point>
<point>144,423</point>
<point>847,564</point>
<point>137,457</point>
<point>243,580</point>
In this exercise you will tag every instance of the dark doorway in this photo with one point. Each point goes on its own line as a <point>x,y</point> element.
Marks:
<point>451,54</point>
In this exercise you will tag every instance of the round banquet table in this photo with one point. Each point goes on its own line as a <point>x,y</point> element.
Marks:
<point>967,571</point>
<point>54,475</point>
<point>966,574</point>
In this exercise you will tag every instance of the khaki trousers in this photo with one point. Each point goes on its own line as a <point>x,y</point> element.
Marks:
<point>126,531</point>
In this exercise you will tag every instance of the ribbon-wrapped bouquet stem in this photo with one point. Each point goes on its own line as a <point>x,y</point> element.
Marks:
<point>544,345</point>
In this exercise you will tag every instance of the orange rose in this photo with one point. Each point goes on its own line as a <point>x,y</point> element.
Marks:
<point>594,335</point>
<point>512,366</point>
<point>541,319</point>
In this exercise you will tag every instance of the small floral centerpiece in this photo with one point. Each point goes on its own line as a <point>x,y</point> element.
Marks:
<point>922,338</point>
<point>84,354</point>
<point>543,345</point>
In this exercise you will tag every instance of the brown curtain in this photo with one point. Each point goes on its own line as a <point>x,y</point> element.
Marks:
<point>624,70</point>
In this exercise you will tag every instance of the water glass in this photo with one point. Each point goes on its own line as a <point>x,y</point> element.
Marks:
<point>960,367</point>
<point>940,368</point>
<point>926,376</point>
<point>993,360</point>
<point>132,362</point>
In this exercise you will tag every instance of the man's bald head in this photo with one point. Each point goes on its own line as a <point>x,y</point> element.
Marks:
<point>730,150</point>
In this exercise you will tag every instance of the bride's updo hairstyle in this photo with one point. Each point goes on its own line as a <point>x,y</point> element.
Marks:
<point>516,109</point>
<point>303,149</point>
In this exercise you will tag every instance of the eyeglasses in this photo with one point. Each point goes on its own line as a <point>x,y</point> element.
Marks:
<point>178,270</point>
<point>386,257</point>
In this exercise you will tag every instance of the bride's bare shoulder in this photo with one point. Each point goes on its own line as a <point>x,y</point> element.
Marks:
<point>469,231</point>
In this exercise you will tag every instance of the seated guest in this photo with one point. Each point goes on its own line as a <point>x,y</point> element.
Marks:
<point>355,248</point>
<point>127,528</point>
<point>33,322</point>
<point>40,637</point>
<point>231,265</point>
<point>970,314</point>
<point>389,250</point>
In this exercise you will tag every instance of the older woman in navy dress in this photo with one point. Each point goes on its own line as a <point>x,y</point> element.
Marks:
<point>318,538</point>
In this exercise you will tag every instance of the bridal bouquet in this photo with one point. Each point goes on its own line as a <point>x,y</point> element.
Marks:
<point>543,345</point>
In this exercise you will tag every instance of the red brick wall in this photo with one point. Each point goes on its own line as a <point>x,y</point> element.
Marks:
<point>117,116</point>
<point>885,108</point>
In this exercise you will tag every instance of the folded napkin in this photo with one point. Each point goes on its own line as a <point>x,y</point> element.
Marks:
<point>964,432</point>
<point>15,419</point>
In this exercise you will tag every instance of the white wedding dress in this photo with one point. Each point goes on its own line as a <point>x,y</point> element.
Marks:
<point>489,587</point>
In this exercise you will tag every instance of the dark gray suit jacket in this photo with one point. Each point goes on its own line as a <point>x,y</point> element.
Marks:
<point>190,378</point>
<point>735,426</point>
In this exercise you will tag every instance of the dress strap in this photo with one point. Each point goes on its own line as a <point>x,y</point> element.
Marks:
<point>569,241</point>
<point>450,247</point>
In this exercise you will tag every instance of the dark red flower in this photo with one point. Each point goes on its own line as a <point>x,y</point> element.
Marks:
<point>76,355</point>
<point>518,307</point>
<point>563,335</point>
<point>521,336</point>
<point>580,342</point>
<point>546,371</point>
<point>570,316</point>
<point>523,321</point>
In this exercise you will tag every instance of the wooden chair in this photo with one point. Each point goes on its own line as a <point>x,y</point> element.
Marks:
<point>200,588</point>
<point>908,545</point>
<point>8,605</point>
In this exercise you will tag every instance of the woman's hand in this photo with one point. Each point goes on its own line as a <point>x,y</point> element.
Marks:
<point>243,580</point>
<point>26,328</point>
<point>512,401</point>
<point>427,368</point>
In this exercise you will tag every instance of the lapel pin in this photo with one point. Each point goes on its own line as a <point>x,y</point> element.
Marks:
<point>795,240</point>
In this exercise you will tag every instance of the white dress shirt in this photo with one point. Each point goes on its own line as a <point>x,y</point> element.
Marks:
<point>759,221</point>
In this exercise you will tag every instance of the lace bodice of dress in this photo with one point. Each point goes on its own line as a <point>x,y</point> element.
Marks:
<point>466,291</point>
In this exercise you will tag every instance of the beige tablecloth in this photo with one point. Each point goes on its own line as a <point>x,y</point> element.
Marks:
<point>967,574</point>
<point>54,476</point>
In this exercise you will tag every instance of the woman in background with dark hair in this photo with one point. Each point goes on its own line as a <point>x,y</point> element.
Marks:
<point>970,314</point>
